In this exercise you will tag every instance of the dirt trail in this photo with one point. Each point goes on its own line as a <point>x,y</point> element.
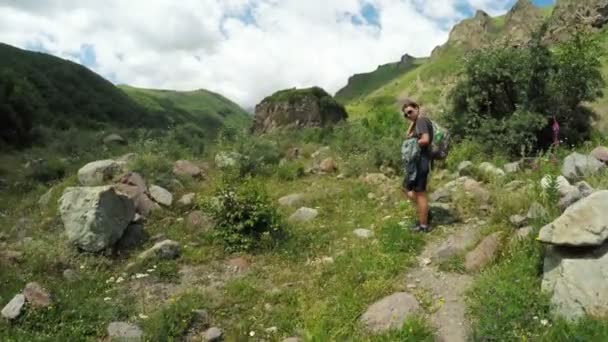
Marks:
<point>445,290</point>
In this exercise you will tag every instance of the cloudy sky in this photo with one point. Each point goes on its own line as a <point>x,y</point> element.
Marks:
<point>243,49</point>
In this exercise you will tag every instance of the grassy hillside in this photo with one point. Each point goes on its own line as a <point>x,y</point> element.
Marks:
<point>362,84</point>
<point>202,107</point>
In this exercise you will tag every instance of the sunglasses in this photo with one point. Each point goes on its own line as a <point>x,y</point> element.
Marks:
<point>409,112</point>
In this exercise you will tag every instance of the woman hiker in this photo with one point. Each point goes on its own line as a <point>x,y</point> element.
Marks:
<point>415,186</point>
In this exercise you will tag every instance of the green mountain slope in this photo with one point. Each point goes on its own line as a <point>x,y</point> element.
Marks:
<point>362,84</point>
<point>201,107</point>
<point>40,90</point>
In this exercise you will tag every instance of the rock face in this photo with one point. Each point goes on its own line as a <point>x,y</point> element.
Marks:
<point>568,14</point>
<point>579,165</point>
<point>95,217</point>
<point>390,312</point>
<point>585,223</point>
<point>124,332</point>
<point>577,281</point>
<point>13,309</point>
<point>303,215</point>
<point>98,172</point>
<point>522,20</point>
<point>311,107</point>
<point>472,33</point>
<point>483,254</point>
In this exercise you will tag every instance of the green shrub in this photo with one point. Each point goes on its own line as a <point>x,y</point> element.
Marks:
<point>260,156</point>
<point>508,96</point>
<point>245,216</point>
<point>189,136</point>
<point>290,171</point>
<point>46,171</point>
<point>172,321</point>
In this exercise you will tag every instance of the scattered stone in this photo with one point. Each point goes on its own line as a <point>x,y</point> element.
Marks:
<point>471,187</point>
<point>456,244</point>
<point>578,165</point>
<point>600,153</point>
<point>523,233</point>
<point>227,159</point>
<point>70,275</point>
<point>585,189</point>
<point>46,198</point>
<point>186,200</point>
<point>304,215</point>
<point>213,334</point>
<point>476,190</point>
<point>164,250</point>
<point>512,167</point>
<point>518,220</point>
<point>569,199</point>
<point>10,257</point>
<point>271,330</point>
<point>491,170</point>
<point>161,196</point>
<point>328,165</point>
<point>114,139</point>
<point>37,296</point>
<point>127,158</point>
<point>577,281</point>
<point>322,152</point>
<point>376,179</point>
<point>143,204</point>
<point>293,200</point>
<point>537,212</point>
<point>124,332</point>
<point>390,312</point>
<point>98,172</point>
<point>364,233</point>
<point>582,224</point>
<point>484,253</point>
<point>134,179</point>
<point>13,309</point>
<point>200,221</point>
<point>292,339</point>
<point>444,213</point>
<point>239,264</point>
<point>95,217</point>
<point>515,185</point>
<point>185,168</point>
<point>133,237</point>
<point>563,185</point>
<point>466,168</point>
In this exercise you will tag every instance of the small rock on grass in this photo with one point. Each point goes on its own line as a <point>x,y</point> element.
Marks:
<point>161,195</point>
<point>37,296</point>
<point>213,334</point>
<point>186,200</point>
<point>304,215</point>
<point>363,233</point>
<point>124,332</point>
<point>390,312</point>
<point>13,309</point>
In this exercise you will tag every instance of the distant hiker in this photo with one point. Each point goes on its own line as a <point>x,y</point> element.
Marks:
<point>555,129</point>
<point>416,151</point>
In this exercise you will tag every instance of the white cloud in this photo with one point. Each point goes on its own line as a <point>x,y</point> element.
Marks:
<point>244,49</point>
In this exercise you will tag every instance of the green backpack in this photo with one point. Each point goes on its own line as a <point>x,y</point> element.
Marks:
<point>441,142</point>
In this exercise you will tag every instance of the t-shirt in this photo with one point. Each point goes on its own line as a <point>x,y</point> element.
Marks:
<point>424,125</point>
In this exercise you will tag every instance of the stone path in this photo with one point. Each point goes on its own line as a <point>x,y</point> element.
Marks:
<point>446,290</point>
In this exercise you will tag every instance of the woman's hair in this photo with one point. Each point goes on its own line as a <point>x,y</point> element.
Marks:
<point>409,103</point>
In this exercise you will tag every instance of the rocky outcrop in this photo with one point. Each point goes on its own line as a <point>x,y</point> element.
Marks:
<point>576,280</point>
<point>95,217</point>
<point>98,172</point>
<point>311,107</point>
<point>474,32</point>
<point>585,223</point>
<point>521,21</point>
<point>578,165</point>
<point>570,15</point>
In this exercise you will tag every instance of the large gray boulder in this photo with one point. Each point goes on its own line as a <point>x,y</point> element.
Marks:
<point>390,312</point>
<point>95,217</point>
<point>576,281</point>
<point>585,223</point>
<point>578,165</point>
<point>98,172</point>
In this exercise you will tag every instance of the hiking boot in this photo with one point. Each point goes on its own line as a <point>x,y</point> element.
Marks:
<point>424,228</point>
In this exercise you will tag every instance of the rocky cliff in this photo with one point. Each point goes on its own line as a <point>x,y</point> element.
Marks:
<point>312,107</point>
<point>571,15</point>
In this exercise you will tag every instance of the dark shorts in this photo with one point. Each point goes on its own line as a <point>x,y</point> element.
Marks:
<point>422,174</point>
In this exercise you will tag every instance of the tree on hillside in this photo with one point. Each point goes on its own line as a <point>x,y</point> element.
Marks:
<point>509,95</point>
<point>19,104</point>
